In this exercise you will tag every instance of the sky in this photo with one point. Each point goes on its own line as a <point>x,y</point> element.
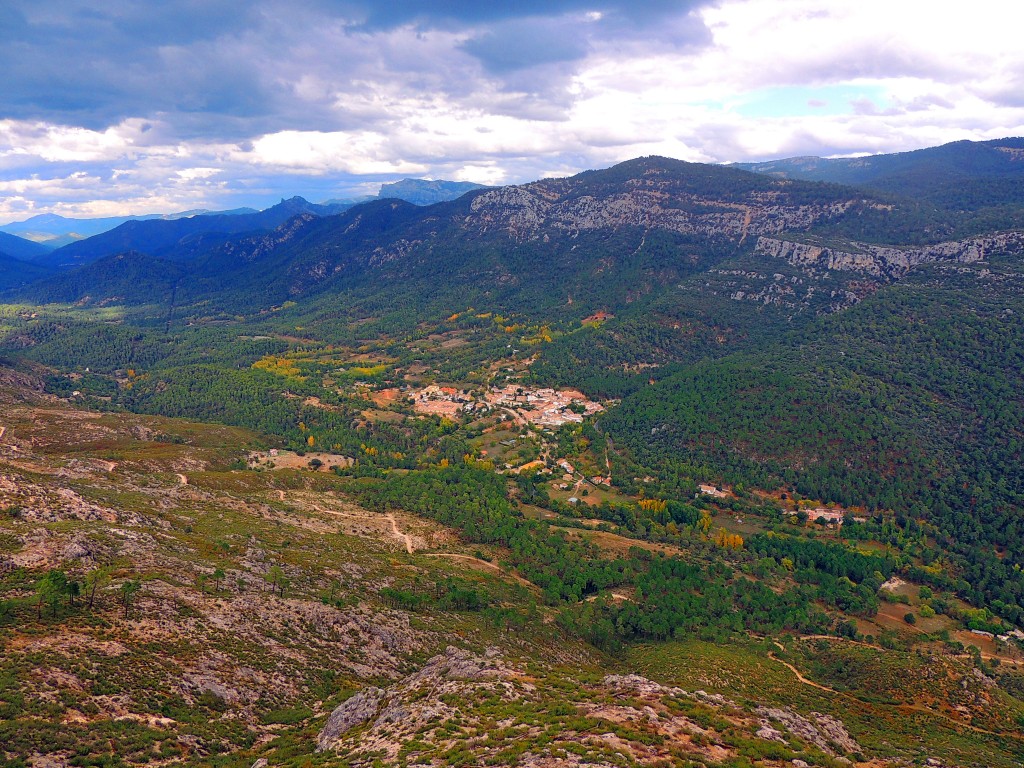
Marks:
<point>127,107</point>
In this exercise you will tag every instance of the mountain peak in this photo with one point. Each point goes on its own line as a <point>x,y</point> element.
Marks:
<point>427,191</point>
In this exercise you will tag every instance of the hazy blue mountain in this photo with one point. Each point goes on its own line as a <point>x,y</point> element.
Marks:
<point>347,202</point>
<point>56,231</point>
<point>173,238</point>
<point>426,191</point>
<point>15,273</point>
<point>207,212</point>
<point>20,248</point>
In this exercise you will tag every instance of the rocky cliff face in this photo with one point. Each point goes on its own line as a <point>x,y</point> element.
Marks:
<point>886,262</point>
<point>253,248</point>
<point>648,203</point>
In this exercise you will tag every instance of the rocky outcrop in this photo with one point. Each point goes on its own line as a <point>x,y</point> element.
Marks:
<point>437,708</point>
<point>355,711</point>
<point>257,246</point>
<point>650,204</point>
<point>41,503</point>
<point>641,686</point>
<point>826,732</point>
<point>887,262</point>
<point>426,696</point>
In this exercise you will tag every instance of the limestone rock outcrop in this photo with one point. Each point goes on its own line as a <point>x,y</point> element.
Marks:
<point>887,262</point>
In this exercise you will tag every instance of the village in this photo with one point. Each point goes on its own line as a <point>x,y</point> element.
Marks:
<point>535,411</point>
<point>544,407</point>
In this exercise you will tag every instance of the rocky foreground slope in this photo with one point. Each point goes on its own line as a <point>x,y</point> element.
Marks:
<point>260,628</point>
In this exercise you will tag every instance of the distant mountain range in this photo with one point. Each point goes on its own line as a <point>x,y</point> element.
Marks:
<point>963,175</point>
<point>298,247</point>
<point>50,231</point>
<point>181,236</point>
<point>53,231</point>
<point>518,245</point>
<point>426,192</point>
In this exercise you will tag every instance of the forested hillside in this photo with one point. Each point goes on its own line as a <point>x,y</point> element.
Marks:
<point>978,183</point>
<point>909,402</point>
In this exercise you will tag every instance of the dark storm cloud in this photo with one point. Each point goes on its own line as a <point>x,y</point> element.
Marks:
<point>93,64</point>
<point>521,44</point>
<point>567,32</point>
<point>230,70</point>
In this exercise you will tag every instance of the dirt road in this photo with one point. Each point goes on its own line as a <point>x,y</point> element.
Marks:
<point>403,536</point>
<point>484,563</point>
<point>799,676</point>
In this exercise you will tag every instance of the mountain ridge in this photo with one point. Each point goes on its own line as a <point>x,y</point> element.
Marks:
<point>20,248</point>
<point>158,237</point>
<point>703,203</point>
<point>961,175</point>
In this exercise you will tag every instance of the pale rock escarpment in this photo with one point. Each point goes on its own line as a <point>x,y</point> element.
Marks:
<point>523,211</point>
<point>888,262</point>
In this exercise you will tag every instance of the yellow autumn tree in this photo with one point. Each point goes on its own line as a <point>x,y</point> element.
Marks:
<point>653,505</point>
<point>728,540</point>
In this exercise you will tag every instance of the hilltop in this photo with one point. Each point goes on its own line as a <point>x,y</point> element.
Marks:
<point>962,175</point>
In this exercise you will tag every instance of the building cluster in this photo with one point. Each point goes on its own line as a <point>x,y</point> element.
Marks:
<point>441,401</point>
<point>713,491</point>
<point>544,406</point>
<point>832,516</point>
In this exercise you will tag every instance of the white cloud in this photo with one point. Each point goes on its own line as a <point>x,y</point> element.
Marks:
<point>488,175</point>
<point>357,153</point>
<point>191,174</point>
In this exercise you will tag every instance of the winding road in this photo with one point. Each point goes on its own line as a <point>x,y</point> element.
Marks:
<point>403,536</point>
<point>799,676</point>
<point>477,560</point>
<point>406,538</point>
